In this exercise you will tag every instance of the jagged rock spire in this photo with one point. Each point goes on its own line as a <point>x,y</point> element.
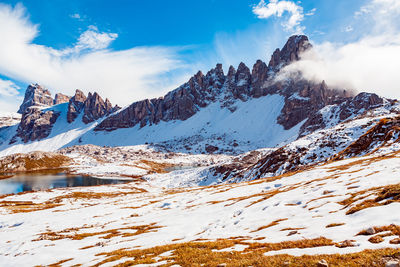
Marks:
<point>35,95</point>
<point>291,51</point>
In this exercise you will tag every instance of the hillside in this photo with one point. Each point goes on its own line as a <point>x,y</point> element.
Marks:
<point>341,207</point>
<point>235,169</point>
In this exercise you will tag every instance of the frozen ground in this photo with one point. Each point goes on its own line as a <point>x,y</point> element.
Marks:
<point>38,228</point>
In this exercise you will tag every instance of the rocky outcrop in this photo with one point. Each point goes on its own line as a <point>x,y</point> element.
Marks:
<point>302,98</point>
<point>35,95</point>
<point>75,106</point>
<point>291,52</point>
<point>92,106</point>
<point>363,101</point>
<point>348,107</point>
<point>179,104</point>
<point>61,98</point>
<point>95,108</point>
<point>33,161</point>
<point>259,77</point>
<point>35,124</point>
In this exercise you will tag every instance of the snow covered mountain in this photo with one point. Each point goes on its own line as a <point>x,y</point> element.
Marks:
<point>236,169</point>
<point>212,113</point>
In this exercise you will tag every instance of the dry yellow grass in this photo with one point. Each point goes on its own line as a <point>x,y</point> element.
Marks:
<point>29,206</point>
<point>207,254</point>
<point>276,222</point>
<point>59,263</point>
<point>33,162</point>
<point>72,233</point>
<point>384,195</point>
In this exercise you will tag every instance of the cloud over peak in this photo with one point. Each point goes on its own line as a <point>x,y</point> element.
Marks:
<point>278,8</point>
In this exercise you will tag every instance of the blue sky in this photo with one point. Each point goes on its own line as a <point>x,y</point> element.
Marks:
<point>129,50</point>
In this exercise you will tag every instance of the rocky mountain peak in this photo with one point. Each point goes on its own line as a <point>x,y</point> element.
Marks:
<point>35,124</point>
<point>75,105</point>
<point>290,52</point>
<point>35,95</point>
<point>231,71</point>
<point>259,76</point>
<point>95,108</point>
<point>61,98</point>
<point>214,78</point>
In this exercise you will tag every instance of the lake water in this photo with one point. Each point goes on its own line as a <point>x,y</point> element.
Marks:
<point>40,181</point>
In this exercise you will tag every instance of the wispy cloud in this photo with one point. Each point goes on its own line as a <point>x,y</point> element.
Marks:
<point>370,63</point>
<point>9,95</point>
<point>278,8</point>
<point>123,76</point>
<point>8,88</point>
<point>76,16</point>
<point>93,39</point>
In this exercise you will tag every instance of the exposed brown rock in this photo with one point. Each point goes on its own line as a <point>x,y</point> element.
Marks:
<point>35,124</point>
<point>365,101</point>
<point>304,98</point>
<point>379,134</point>
<point>211,149</point>
<point>95,108</point>
<point>35,95</point>
<point>75,105</point>
<point>259,77</point>
<point>61,98</point>
<point>290,52</point>
<point>179,104</point>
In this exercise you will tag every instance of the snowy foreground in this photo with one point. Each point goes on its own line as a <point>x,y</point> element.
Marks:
<point>321,209</point>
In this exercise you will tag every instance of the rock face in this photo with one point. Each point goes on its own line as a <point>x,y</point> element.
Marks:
<point>345,109</point>
<point>302,97</point>
<point>75,105</point>
<point>61,98</point>
<point>35,95</point>
<point>179,104</point>
<point>290,52</point>
<point>93,107</point>
<point>35,124</point>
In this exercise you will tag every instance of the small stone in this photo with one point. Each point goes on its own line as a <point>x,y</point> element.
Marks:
<point>346,243</point>
<point>395,241</point>
<point>370,231</point>
<point>221,265</point>
<point>392,263</point>
<point>292,233</point>
<point>322,263</point>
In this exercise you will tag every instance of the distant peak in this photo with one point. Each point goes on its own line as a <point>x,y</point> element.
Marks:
<point>291,51</point>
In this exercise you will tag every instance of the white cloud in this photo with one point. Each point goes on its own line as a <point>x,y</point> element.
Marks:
<point>311,12</point>
<point>9,98</point>
<point>75,16</point>
<point>8,88</point>
<point>122,76</point>
<point>370,64</point>
<point>93,39</point>
<point>278,8</point>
